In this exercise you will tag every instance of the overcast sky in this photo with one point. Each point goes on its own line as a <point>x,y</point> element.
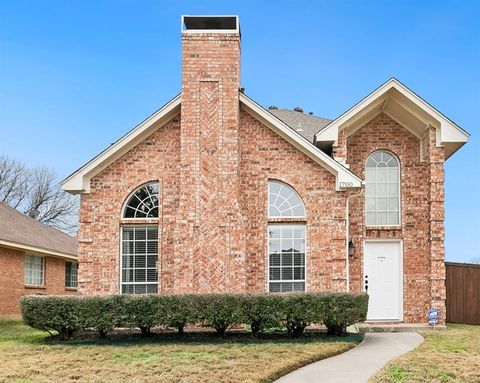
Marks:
<point>76,75</point>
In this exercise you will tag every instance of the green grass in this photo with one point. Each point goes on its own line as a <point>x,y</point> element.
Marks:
<point>451,355</point>
<point>28,355</point>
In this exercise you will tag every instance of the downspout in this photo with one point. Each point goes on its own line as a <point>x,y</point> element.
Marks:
<point>347,239</point>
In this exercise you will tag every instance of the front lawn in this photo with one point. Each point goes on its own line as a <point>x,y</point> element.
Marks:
<point>27,355</point>
<point>451,355</point>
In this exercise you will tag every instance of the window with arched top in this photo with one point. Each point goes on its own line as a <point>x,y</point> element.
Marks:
<point>286,239</point>
<point>382,189</point>
<point>139,242</point>
<point>284,201</point>
<point>143,203</point>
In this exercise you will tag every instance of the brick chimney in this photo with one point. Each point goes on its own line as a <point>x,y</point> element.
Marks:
<point>209,248</point>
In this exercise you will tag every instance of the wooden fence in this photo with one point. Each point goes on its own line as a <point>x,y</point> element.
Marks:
<point>463,293</point>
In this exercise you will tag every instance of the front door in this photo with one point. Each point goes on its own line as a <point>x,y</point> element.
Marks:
<point>383,280</point>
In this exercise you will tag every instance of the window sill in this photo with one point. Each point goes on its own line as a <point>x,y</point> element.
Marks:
<point>396,227</point>
<point>139,221</point>
<point>43,287</point>
<point>287,220</point>
<point>71,288</point>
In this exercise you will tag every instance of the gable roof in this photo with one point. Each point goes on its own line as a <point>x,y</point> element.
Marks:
<point>405,107</point>
<point>19,231</point>
<point>344,178</point>
<point>79,181</point>
<point>305,124</point>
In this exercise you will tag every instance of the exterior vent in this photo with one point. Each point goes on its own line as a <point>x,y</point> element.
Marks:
<point>210,24</point>
<point>272,107</point>
<point>298,109</point>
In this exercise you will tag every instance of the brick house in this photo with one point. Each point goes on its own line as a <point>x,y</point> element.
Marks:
<point>214,193</point>
<point>34,259</point>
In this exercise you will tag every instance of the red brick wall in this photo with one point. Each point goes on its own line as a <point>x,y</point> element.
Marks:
<point>384,133</point>
<point>154,159</point>
<point>265,155</point>
<point>12,276</point>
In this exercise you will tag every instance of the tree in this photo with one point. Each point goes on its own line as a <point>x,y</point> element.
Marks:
<point>36,192</point>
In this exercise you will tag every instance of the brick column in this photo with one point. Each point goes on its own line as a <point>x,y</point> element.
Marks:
<point>436,158</point>
<point>209,238</point>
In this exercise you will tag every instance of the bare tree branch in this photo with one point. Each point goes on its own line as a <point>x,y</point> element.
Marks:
<point>36,192</point>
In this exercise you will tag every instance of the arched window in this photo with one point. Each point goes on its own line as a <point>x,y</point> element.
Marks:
<point>139,243</point>
<point>284,201</point>
<point>286,239</point>
<point>143,203</point>
<point>382,189</point>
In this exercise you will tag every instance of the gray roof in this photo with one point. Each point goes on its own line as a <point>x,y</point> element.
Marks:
<point>305,124</point>
<point>21,229</point>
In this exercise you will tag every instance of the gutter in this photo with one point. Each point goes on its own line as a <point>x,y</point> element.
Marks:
<point>347,239</point>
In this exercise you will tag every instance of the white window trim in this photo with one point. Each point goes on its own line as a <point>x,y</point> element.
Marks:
<point>120,274</point>
<point>284,217</point>
<point>25,271</point>
<point>399,224</point>
<point>76,281</point>
<point>304,224</point>
<point>129,197</point>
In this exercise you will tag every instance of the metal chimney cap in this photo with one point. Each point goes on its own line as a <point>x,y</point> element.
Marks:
<point>210,24</point>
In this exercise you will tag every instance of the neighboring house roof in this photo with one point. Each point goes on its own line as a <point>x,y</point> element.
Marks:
<point>79,181</point>
<point>403,106</point>
<point>305,124</point>
<point>19,231</point>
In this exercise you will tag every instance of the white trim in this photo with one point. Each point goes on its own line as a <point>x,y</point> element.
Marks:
<point>400,199</point>
<point>345,179</point>
<point>449,135</point>
<point>120,259</point>
<point>37,250</point>
<point>79,181</point>
<point>401,279</point>
<point>43,258</point>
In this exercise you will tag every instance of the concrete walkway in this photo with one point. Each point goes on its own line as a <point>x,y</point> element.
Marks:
<point>358,364</point>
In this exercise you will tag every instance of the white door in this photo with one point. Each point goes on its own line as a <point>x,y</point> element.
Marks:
<point>383,280</point>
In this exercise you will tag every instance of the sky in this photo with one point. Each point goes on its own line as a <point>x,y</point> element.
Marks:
<point>77,75</point>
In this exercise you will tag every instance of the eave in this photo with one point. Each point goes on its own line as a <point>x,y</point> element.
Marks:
<point>406,108</point>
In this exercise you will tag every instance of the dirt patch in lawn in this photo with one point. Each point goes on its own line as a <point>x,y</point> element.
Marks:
<point>27,356</point>
<point>451,355</point>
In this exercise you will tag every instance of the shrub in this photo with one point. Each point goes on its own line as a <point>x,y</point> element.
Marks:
<point>299,310</point>
<point>342,310</point>
<point>100,313</point>
<point>143,311</point>
<point>219,311</point>
<point>60,314</point>
<point>179,311</point>
<point>262,311</point>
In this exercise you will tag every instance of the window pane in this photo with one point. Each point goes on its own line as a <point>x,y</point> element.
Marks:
<point>143,203</point>
<point>274,287</point>
<point>34,270</point>
<point>382,199</point>
<point>286,260</point>
<point>284,201</point>
<point>139,259</point>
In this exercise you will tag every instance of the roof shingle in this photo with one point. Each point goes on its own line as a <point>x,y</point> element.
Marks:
<point>21,229</point>
<point>305,124</point>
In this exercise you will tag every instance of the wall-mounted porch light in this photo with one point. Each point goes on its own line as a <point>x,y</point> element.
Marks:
<point>351,248</point>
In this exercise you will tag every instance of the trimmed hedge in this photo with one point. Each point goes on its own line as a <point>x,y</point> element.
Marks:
<point>293,311</point>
